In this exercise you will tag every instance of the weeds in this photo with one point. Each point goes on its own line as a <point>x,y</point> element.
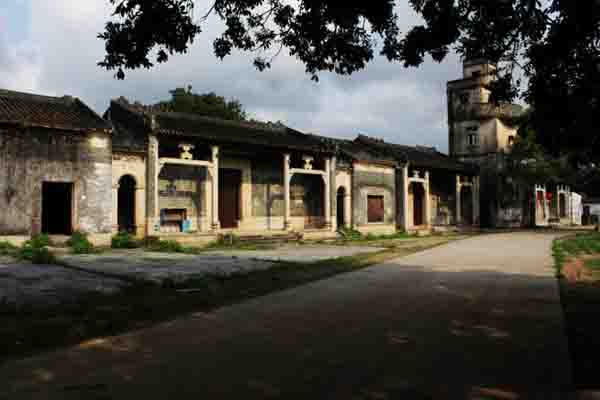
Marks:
<point>124,240</point>
<point>80,243</point>
<point>580,244</point>
<point>36,250</point>
<point>8,249</point>
<point>352,235</point>
<point>165,246</point>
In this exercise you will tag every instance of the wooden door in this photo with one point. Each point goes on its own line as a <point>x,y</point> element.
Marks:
<point>229,197</point>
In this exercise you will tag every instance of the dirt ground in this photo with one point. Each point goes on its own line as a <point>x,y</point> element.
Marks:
<point>580,297</point>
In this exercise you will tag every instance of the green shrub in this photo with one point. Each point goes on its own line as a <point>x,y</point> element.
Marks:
<point>124,240</point>
<point>41,240</point>
<point>36,251</point>
<point>350,234</point>
<point>80,244</point>
<point>8,249</point>
<point>166,246</point>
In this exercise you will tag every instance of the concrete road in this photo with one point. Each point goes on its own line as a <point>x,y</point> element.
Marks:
<point>476,319</point>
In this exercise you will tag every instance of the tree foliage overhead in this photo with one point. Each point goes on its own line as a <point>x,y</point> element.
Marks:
<point>207,104</point>
<point>555,43</point>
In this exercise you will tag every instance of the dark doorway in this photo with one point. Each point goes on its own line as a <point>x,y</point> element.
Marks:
<point>57,208</point>
<point>418,203</point>
<point>466,206</point>
<point>340,201</point>
<point>562,205</point>
<point>230,181</point>
<point>126,204</point>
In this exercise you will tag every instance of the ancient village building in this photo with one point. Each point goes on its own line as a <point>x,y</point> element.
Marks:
<point>191,178</point>
<point>273,180</point>
<point>55,167</point>
<point>482,133</point>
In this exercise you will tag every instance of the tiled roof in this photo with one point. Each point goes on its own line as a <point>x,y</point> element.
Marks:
<point>49,112</point>
<point>357,151</point>
<point>219,130</point>
<point>417,156</point>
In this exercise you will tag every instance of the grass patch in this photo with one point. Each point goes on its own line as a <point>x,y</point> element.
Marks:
<point>352,235</point>
<point>165,246</point>
<point>593,264</point>
<point>574,246</point>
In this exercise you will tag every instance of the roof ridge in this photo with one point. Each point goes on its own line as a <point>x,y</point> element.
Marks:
<point>32,96</point>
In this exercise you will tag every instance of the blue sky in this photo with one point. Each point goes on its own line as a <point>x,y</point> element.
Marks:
<point>14,19</point>
<point>52,49</point>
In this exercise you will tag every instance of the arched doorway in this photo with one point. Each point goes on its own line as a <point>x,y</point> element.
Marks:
<point>126,204</point>
<point>341,212</point>
<point>418,195</point>
<point>466,205</point>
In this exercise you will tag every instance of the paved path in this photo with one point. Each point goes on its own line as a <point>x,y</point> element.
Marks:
<point>459,321</point>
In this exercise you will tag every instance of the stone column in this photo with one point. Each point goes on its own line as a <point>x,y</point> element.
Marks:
<point>457,215</point>
<point>333,193</point>
<point>327,179</point>
<point>427,200</point>
<point>115,206</point>
<point>475,194</point>
<point>216,225</point>
<point>287,223</point>
<point>153,169</point>
<point>348,208</point>
<point>405,215</point>
<point>140,210</point>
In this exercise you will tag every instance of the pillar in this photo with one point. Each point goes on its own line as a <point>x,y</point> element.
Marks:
<point>348,208</point>
<point>458,205</point>
<point>140,210</point>
<point>475,194</point>
<point>115,208</point>
<point>215,188</point>
<point>327,179</point>
<point>333,193</point>
<point>427,200</point>
<point>287,223</point>
<point>153,170</point>
<point>405,215</point>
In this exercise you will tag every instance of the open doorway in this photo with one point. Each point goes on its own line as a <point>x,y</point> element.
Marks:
<point>466,205</point>
<point>126,204</point>
<point>341,216</point>
<point>57,208</point>
<point>230,181</point>
<point>418,194</point>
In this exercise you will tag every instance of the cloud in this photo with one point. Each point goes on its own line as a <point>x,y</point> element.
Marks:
<point>385,100</point>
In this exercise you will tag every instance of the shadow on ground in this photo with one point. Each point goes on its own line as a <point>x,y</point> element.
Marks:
<point>384,332</point>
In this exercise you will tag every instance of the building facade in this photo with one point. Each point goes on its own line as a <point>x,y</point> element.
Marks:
<point>55,166</point>
<point>192,178</point>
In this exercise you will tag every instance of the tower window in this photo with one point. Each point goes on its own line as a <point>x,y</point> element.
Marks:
<point>511,140</point>
<point>472,139</point>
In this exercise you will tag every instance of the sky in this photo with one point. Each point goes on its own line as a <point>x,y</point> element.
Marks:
<point>50,47</point>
